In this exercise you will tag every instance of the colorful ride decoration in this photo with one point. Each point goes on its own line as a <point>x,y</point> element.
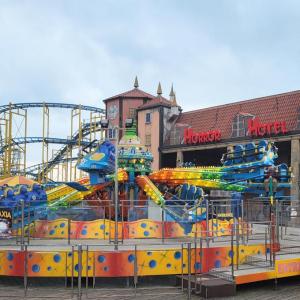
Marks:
<point>180,192</point>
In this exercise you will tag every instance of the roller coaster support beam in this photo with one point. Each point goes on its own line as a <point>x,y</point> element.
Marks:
<point>45,146</point>
<point>5,108</point>
<point>13,157</point>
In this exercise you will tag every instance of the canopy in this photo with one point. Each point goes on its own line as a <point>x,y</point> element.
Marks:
<point>16,180</point>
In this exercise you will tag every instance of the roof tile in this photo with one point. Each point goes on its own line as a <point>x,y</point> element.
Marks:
<point>134,93</point>
<point>268,109</point>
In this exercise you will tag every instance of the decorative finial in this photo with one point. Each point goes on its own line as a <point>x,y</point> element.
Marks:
<point>174,102</point>
<point>172,94</point>
<point>136,83</point>
<point>159,91</point>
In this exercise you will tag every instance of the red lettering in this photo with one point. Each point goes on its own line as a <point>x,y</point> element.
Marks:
<point>195,138</point>
<point>191,137</point>
<point>262,130</point>
<point>211,136</point>
<point>256,128</point>
<point>252,127</point>
<point>217,135</point>
<point>269,127</point>
<point>200,137</point>
<point>277,127</point>
<point>187,136</point>
<point>283,127</point>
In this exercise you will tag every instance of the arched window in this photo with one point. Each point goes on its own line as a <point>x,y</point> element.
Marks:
<point>240,124</point>
<point>111,133</point>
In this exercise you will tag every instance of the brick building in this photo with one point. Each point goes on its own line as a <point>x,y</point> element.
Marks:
<point>202,136</point>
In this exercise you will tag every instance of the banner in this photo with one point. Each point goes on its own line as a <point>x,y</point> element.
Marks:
<point>5,222</point>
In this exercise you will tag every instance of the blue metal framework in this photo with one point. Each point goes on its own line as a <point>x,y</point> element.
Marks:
<point>31,140</point>
<point>59,157</point>
<point>7,107</point>
<point>34,169</point>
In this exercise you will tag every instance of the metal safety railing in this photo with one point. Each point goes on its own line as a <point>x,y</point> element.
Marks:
<point>80,260</point>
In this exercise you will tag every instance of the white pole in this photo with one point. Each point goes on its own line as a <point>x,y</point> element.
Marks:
<point>116,189</point>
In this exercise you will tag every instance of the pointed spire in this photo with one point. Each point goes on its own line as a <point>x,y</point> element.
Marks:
<point>172,94</point>
<point>174,102</point>
<point>159,90</point>
<point>136,83</point>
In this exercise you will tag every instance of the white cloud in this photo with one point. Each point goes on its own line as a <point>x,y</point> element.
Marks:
<point>82,52</point>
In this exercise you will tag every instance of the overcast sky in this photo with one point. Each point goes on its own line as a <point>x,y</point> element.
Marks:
<point>213,51</point>
<point>84,51</point>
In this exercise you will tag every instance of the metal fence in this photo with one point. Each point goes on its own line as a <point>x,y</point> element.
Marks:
<point>246,227</point>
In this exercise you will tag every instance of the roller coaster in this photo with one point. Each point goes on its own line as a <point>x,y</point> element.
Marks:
<point>14,140</point>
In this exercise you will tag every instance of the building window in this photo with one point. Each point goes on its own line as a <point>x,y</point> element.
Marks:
<point>111,133</point>
<point>132,113</point>
<point>148,118</point>
<point>240,124</point>
<point>112,111</point>
<point>148,140</point>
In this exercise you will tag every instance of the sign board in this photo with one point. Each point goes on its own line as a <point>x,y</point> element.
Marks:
<point>257,128</point>
<point>5,222</point>
<point>191,137</point>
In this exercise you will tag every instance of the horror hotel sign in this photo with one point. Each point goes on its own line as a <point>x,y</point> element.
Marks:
<point>256,128</point>
<point>191,137</point>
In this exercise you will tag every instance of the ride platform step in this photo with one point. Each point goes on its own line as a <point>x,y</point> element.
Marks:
<point>209,286</point>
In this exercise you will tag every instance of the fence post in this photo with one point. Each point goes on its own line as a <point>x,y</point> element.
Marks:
<point>195,264</point>
<point>94,270</point>
<point>66,269</point>
<point>232,251</point>
<point>87,269</point>
<point>79,270</point>
<point>242,220</point>
<point>22,225</point>
<point>266,244</point>
<point>25,271</point>
<point>163,225</point>
<point>270,242</point>
<point>281,220</point>
<point>207,222</point>
<point>201,255</point>
<point>212,220</point>
<point>277,221</point>
<point>135,278</point>
<point>72,272</point>
<point>69,231</point>
<point>189,270</point>
<point>237,244</point>
<point>196,226</point>
<point>182,267</point>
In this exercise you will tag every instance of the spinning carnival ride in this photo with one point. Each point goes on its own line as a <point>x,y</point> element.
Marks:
<point>180,192</point>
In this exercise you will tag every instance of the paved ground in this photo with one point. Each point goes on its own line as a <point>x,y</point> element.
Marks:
<point>286,289</point>
<point>11,288</point>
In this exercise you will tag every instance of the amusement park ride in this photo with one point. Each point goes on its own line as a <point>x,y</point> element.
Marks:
<point>180,192</point>
<point>120,177</point>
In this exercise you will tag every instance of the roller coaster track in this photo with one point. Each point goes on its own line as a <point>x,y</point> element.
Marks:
<point>61,152</point>
<point>32,140</point>
<point>32,170</point>
<point>4,108</point>
<point>59,157</point>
